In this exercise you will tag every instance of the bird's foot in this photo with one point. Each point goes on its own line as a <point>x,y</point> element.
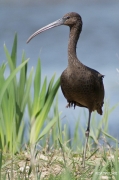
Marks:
<point>70,104</point>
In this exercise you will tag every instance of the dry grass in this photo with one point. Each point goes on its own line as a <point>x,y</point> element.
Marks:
<point>56,164</point>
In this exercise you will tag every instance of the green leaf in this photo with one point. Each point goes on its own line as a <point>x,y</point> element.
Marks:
<point>27,91</point>
<point>14,51</point>
<point>10,78</point>
<point>109,136</point>
<point>22,82</point>
<point>48,103</point>
<point>50,86</point>
<point>37,122</point>
<point>37,83</point>
<point>47,128</point>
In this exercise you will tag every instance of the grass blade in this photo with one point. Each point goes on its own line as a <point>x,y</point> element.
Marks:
<point>9,79</point>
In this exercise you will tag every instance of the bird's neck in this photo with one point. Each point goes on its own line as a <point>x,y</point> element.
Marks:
<point>73,39</point>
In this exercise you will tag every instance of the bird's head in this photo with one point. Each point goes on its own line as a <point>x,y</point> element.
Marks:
<point>69,19</point>
<point>72,19</point>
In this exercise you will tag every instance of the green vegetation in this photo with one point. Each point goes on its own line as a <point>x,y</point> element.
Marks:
<point>47,150</point>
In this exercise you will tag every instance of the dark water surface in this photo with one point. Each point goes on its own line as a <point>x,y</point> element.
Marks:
<point>98,46</point>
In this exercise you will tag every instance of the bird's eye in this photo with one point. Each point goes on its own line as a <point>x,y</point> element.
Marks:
<point>68,17</point>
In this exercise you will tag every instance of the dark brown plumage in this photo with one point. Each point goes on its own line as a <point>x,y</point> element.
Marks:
<point>81,85</point>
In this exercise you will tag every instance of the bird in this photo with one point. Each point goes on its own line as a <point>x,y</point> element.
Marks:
<point>81,85</point>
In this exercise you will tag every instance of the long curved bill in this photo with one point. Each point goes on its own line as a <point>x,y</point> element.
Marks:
<point>49,26</point>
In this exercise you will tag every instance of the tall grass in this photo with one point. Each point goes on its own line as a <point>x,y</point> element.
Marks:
<point>16,96</point>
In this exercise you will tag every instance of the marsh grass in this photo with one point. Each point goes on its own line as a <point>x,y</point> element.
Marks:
<point>49,151</point>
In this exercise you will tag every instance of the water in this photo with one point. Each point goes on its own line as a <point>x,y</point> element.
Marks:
<point>98,46</point>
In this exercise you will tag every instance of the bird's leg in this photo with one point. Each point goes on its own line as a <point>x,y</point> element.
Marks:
<point>87,136</point>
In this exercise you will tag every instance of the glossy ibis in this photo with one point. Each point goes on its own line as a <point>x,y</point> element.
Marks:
<point>82,86</point>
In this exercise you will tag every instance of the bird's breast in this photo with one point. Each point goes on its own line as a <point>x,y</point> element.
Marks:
<point>73,85</point>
